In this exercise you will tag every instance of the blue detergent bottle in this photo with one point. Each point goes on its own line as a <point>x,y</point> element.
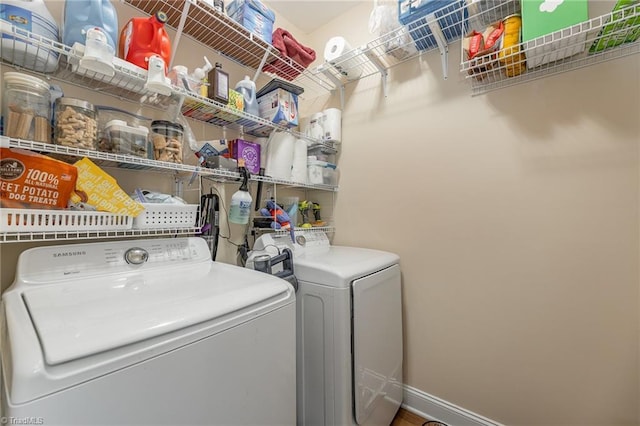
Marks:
<point>80,16</point>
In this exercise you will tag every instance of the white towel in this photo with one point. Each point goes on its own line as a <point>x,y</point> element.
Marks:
<point>299,169</point>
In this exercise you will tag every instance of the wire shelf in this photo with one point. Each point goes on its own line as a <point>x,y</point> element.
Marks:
<point>419,34</point>
<point>219,32</point>
<point>16,237</point>
<point>594,41</point>
<point>128,83</point>
<point>132,162</point>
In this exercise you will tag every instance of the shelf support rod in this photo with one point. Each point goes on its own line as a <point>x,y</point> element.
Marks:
<point>432,22</point>
<point>325,69</point>
<point>262,62</point>
<point>176,40</point>
<point>379,66</point>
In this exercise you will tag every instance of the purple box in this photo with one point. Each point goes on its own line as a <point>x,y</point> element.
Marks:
<point>250,151</point>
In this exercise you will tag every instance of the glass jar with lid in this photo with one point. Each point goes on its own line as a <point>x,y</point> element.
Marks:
<point>166,138</point>
<point>26,107</point>
<point>75,123</point>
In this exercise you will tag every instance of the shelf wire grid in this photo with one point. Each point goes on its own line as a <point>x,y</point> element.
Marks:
<point>221,33</point>
<point>407,41</point>
<point>568,49</point>
<point>127,83</point>
<point>109,159</point>
<point>16,237</point>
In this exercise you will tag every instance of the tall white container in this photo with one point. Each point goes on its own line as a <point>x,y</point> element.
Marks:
<point>32,16</point>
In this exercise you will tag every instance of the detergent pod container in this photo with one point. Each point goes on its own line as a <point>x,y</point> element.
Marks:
<point>248,90</point>
<point>141,38</point>
<point>34,17</point>
<point>93,24</point>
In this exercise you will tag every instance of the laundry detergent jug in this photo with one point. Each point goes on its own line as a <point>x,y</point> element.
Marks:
<point>32,16</point>
<point>145,37</point>
<point>80,16</point>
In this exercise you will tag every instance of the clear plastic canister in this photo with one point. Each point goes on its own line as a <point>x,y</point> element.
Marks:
<point>167,141</point>
<point>26,107</point>
<point>75,123</point>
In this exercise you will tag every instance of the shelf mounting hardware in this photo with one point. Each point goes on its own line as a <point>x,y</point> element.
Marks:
<point>443,47</point>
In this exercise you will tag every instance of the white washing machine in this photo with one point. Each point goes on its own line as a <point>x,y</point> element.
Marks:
<point>349,329</point>
<point>146,332</point>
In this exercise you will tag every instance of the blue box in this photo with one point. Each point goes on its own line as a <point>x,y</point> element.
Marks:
<point>254,16</point>
<point>449,14</point>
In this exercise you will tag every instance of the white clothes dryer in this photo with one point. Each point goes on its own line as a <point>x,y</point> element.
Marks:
<point>145,332</point>
<point>349,329</point>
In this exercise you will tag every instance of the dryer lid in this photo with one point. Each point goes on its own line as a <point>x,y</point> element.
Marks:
<point>84,317</point>
<point>338,266</point>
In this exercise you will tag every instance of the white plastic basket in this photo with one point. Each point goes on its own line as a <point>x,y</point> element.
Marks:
<point>36,220</point>
<point>166,216</point>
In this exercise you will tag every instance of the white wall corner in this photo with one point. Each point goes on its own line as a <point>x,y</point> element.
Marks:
<point>434,408</point>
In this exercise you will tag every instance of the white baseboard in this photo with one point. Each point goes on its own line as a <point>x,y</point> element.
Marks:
<point>434,408</point>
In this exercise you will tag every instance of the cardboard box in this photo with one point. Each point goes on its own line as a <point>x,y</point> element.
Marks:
<point>279,106</point>
<point>249,151</point>
<point>544,17</point>
<point>254,16</point>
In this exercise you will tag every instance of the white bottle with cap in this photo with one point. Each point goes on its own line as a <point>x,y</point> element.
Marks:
<point>248,90</point>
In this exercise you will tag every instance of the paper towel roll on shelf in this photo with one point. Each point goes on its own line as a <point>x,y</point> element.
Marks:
<point>332,125</point>
<point>315,129</point>
<point>339,53</point>
<point>279,158</point>
<point>299,167</point>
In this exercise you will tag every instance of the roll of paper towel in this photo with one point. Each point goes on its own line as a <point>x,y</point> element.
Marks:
<point>332,125</point>
<point>338,52</point>
<point>299,168</point>
<point>280,155</point>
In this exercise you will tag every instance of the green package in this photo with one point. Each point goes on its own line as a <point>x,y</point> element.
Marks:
<point>622,30</point>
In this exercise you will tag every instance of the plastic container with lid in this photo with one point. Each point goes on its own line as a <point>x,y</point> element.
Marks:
<point>120,138</point>
<point>32,16</point>
<point>75,123</point>
<point>167,138</point>
<point>144,37</point>
<point>248,90</point>
<point>26,107</point>
<point>82,15</point>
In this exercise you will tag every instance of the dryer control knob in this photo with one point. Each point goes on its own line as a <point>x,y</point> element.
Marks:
<point>136,256</point>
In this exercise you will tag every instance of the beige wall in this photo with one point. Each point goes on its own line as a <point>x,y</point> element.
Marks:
<point>516,218</point>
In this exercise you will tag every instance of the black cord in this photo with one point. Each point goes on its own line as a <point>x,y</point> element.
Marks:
<point>434,422</point>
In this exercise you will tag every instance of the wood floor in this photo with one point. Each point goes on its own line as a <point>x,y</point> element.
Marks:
<point>407,418</point>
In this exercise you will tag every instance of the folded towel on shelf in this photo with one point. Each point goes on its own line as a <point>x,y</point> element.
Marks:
<point>300,56</point>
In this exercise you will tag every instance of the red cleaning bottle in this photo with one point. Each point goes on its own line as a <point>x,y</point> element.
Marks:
<point>145,37</point>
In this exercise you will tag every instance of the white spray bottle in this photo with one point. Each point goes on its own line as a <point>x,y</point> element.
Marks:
<point>241,201</point>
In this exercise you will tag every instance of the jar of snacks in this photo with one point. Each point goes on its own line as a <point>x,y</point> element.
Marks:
<point>75,123</point>
<point>166,138</point>
<point>26,107</point>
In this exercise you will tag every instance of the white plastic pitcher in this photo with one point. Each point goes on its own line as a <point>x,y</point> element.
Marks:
<point>248,90</point>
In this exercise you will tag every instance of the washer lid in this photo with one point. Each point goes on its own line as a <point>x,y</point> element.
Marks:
<point>337,266</point>
<point>84,317</point>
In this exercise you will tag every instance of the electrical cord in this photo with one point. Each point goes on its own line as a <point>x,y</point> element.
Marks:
<point>434,423</point>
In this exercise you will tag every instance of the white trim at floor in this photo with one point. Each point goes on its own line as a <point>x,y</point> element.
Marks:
<point>434,408</point>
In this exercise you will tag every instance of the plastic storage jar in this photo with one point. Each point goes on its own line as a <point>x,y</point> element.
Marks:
<point>75,123</point>
<point>26,107</point>
<point>167,141</point>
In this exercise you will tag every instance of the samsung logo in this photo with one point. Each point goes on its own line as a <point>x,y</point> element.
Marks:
<point>69,253</point>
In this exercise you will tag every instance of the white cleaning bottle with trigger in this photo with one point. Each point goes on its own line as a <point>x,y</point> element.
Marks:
<point>241,201</point>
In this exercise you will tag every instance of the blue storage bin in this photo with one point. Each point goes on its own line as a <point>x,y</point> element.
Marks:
<point>449,13</point>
